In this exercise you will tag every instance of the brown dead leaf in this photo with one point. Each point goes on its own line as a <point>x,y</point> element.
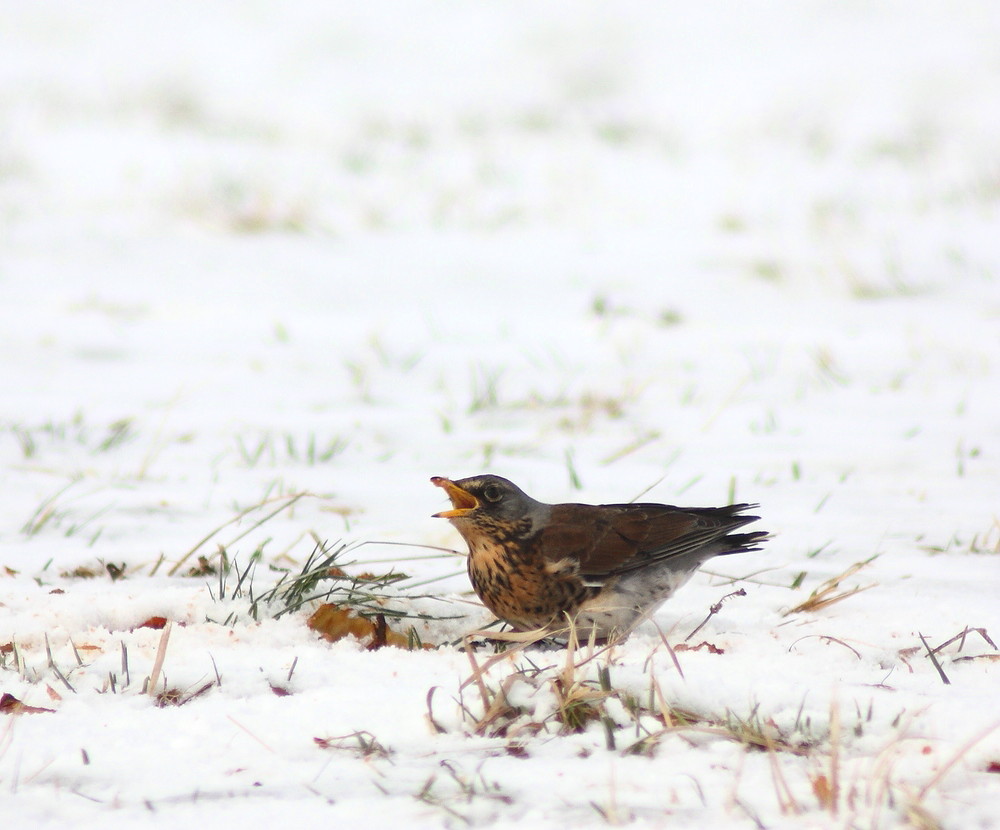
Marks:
<point>704,644</point>
<point>203,568</point>
<point>153,622</point>
<point>57,591</point>
<point>334,623</point>
<point>80,572</point>
<point>823,791</point>
<point>279,691</point>
<point>6,648</point>
<point>10,705</point>
<point>53,694</point>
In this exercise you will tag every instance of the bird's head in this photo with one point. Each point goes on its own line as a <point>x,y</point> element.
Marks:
<point>487,500</point>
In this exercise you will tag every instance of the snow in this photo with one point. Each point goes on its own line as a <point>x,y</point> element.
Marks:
<point>695,252</point>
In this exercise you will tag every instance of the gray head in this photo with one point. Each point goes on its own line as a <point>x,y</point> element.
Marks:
<point>487,499</point>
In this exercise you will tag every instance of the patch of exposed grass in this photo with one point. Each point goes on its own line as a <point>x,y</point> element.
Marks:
<point>579,691</point>
<point>829,591</point>
<point>273,450</point>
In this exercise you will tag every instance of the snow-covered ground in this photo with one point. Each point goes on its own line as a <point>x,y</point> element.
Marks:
<point>698,252</point>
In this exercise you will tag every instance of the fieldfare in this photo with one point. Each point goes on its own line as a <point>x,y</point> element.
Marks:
<point>605,567</point>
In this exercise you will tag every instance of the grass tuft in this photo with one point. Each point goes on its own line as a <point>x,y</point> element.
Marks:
<point>323,579</point>
<point>828,593</point>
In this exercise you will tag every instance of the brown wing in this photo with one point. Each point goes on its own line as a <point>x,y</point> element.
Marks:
<point>612,538</point>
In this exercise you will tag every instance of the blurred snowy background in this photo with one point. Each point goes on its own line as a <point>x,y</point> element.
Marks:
<point>691,251</point>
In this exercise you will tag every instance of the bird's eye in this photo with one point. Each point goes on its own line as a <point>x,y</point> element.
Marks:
<point>491,492</point>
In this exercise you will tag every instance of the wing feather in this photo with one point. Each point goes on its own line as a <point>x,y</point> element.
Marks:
<point>615,538</point>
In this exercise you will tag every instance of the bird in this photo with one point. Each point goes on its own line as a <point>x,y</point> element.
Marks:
<point>602,569</point>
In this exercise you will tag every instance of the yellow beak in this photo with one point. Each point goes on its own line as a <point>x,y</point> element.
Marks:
<point>462,500</point>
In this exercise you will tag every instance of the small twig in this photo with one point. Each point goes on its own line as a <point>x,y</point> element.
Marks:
<point>934,660</point>
<point>715,609</point>
<point>961,638</point>
<point>193,695</point>
<point>828,638</point>
<point>438,728</point>
<point>967,657</point>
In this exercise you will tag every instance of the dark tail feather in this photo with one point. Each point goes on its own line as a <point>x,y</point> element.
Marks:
<point>742,542</point>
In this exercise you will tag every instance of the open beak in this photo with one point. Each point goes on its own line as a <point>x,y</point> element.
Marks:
<point>462,501</point>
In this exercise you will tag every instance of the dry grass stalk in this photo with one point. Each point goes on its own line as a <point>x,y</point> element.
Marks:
<point>285,503</point>
<point>959,753</point>
<point>829,639</point>
<point>477,677</point>
<point>520,638</point>
<point>826,594</point>
<point>834,756</point>
<point>435,726</point>
<point>920,818</point>
<point>500,710</point>
<point>671,652</point>
<point>577,701</point>
<point>161,654</point>
<point>961,636</point>
<point>786,801</point>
